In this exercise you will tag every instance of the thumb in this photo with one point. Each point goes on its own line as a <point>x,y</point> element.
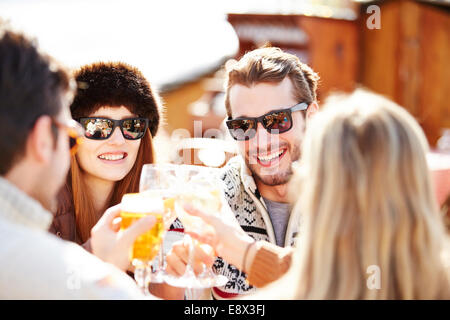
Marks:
<point>138,228</point>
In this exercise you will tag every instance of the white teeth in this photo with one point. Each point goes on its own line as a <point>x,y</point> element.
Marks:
<point>271,156</point>
<point>112,157</point>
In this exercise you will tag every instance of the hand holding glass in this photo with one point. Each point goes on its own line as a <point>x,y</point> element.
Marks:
<point>147,245</point>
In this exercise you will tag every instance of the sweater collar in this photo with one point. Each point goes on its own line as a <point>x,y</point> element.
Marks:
<point>18,207</point>
<point>247,177</point>
<point>248,181</point>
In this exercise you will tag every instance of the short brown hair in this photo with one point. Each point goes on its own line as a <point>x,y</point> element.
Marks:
<point>32,84</point>
<point>272,65</point>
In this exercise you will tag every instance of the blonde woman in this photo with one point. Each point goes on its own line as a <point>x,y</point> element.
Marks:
<point>371,227</point>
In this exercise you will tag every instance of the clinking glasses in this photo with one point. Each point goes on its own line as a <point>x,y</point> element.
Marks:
<point>278,121</point>
<point>103,128</point>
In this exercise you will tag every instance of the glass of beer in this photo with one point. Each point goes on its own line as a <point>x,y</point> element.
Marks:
<point>135,206</point>
<point>160,180</point>
<point>203,191</point>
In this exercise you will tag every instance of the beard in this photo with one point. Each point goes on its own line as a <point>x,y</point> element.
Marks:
<point>280,176</point>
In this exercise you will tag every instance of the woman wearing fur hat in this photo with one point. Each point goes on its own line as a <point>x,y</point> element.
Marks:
<point>120,113</point>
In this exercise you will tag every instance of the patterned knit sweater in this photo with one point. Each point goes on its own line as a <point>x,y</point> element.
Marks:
<point>250,211</point>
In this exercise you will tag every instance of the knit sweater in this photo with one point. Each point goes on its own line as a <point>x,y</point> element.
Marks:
<point>38,265</point>
<point>251,213</point>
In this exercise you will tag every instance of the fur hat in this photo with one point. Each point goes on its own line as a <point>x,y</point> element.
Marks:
<point>115,84</point>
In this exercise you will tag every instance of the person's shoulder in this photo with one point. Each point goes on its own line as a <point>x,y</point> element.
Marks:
<point>36,246</point>
<point>31,262</point>
<point>38,265</point>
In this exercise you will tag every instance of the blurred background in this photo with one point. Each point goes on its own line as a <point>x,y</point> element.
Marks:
<point>181,47</point>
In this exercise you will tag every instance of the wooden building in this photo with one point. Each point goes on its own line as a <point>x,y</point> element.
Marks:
<point>405,60</point>
<point>329,45</point>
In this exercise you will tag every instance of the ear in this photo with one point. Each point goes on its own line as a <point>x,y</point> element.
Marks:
<point>312,110</point>
<point>40,144</point>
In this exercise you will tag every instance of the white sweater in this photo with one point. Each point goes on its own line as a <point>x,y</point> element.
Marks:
<point>35,264</point>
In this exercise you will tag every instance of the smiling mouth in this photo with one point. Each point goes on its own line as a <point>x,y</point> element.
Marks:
<point>116,156</point>
<point>271,158</point>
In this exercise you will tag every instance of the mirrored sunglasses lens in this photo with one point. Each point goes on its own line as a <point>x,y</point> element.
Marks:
<point>242,129</point>
<point>279,121</point>
<point>97,128</point>
<point>133,129</point>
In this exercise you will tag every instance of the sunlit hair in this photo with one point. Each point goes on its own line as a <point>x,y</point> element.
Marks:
<point>271,65</point>
<point>367,200</point>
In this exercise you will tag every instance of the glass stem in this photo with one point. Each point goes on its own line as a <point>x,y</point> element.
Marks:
<point>141,275</point>
<point>191,253</point>
<point>161,256</point>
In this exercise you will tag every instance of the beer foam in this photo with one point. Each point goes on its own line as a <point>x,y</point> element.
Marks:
<point>142,203</point>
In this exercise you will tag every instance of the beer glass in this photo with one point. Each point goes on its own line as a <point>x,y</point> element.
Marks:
<point>160,180</point>
<point>203,191</point>
<point>135,206</point>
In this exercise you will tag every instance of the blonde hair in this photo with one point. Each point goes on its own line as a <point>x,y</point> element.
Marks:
<point>367,200</point>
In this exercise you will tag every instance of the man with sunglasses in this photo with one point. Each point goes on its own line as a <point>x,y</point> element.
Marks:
<point>269,97</point>
<point>36,134</point>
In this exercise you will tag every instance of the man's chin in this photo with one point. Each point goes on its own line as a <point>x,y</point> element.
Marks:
<point>274,175</point>
<point>271,178</point>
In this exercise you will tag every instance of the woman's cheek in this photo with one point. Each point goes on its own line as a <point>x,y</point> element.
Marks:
<point>86,149</point>
<point>134,149</point>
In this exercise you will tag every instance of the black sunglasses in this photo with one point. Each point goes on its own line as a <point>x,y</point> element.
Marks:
<point>278,121</point>
<point>102,128</point>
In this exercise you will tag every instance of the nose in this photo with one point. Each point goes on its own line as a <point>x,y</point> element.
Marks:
<point>116,137</point>
<point>262,138</point>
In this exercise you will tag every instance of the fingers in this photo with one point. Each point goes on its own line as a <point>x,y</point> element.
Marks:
<point>109,215</point>
<point>139,227</point>
<point>203,253</point>
<point>178,257</point>
<point>175,266</point>
<point>202,258</point>
<point>115,226</point>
